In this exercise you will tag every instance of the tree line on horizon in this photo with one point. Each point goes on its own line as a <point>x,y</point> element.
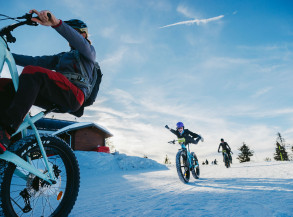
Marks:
<point>280,154</point>
<point>245,154</point>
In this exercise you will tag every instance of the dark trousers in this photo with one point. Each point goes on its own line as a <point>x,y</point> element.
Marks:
<point>37,86</point>
<point>192,140</point>
<point>228,154</point>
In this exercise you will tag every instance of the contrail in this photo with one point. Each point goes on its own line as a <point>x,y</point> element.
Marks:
<point>197,21</point>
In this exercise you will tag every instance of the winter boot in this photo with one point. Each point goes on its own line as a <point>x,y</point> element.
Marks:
<point>4,140</point>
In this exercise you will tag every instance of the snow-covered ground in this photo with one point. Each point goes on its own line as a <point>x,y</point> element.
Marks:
<point>120,185</point>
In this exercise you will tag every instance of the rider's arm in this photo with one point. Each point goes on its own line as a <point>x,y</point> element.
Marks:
<point>194,135</point>
<point>173,131</point>
<point>48,62</point>
<point>76,40</point>
<point>219,147</point>
<point>228,146</point>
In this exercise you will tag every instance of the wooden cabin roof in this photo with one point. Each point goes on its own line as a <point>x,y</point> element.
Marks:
<point>80,125</point>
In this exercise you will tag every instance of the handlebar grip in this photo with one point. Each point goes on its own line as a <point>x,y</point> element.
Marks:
<point>48,15</point>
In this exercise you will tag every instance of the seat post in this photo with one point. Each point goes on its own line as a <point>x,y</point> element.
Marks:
<point>53,108</point>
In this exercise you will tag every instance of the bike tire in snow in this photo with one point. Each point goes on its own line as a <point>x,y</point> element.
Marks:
<point>32,196</point>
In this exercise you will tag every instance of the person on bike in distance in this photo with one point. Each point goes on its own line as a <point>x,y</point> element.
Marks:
<point>225,147</point>
<point>189,136</point>
<point>41,86</point>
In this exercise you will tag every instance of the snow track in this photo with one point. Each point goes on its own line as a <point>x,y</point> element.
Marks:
<point>251,189</point>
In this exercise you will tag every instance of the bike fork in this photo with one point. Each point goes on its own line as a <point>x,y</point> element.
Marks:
<point>18,161</point>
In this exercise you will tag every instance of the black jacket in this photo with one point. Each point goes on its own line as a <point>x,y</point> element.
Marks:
<point>65,62</point>
<point>187,134</point>
<point>225,146</point>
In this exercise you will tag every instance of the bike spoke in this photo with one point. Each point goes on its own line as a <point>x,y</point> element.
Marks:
<point>45,202</point>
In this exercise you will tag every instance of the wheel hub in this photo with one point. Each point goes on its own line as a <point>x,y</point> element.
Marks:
<point>37,187</point>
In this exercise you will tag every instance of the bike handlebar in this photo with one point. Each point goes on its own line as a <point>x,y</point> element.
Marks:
<point>6,31</point>
<point>172,142</point>
<point>183,140</point>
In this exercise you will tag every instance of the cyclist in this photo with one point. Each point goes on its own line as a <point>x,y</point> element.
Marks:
<point>225,147</point>
<point>41,86</point>
<point>189,136</point>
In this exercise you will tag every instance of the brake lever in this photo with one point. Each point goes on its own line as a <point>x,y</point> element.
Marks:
<point>35,23</point>
<point>28,18</point>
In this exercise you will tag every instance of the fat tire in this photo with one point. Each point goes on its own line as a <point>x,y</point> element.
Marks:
<point>182,166</point>
<point>196,171</point>
<point>29,145</point>
<point>227,161</point>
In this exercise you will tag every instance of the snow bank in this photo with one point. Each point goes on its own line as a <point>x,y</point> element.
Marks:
<point>108,162</point>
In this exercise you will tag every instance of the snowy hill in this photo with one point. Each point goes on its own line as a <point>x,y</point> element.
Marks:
<point>98,161</point>
<point>120,185</point>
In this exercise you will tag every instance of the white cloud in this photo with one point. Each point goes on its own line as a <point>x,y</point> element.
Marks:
<point>109,112</point>
<point>139,119</point>
<point>195,21</point>
<point>161,5</point>
<point>144,133</point>
<point>76,7</point>
<point>138,80</point>
<point>108,32</point>
<point>261,92</point>
<point>252,109</point>
<point>270,47</point>
<point>128,39</point>
<point>122,96</point>
<point>114,59</point>
<point>185,11</point>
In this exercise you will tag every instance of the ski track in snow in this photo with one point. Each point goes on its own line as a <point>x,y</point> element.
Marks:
<point>125,186</point>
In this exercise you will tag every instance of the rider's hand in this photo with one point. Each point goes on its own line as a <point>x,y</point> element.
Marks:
<point>201,138</point>
<point>167,127</point>
<point>43,18</point>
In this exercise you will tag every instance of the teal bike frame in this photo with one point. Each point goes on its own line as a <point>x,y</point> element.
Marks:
<point>189,155</point>
<point>6,57</point>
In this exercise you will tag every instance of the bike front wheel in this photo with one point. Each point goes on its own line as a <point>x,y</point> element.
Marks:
<point>182,166</point>
<point>227,161</point>
<point>195,172</point>
<point>28,195</point>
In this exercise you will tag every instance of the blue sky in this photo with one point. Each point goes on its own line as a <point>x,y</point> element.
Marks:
<point>224,68</point>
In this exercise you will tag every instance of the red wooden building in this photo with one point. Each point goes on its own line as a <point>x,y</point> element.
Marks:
<point>83,136</point>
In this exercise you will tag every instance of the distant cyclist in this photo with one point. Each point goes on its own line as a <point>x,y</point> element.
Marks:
<point>189,136</point>
<point>225,147</point>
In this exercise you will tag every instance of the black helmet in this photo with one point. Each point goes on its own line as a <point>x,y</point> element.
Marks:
<point>222,140</point>
<point>77,24</point>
